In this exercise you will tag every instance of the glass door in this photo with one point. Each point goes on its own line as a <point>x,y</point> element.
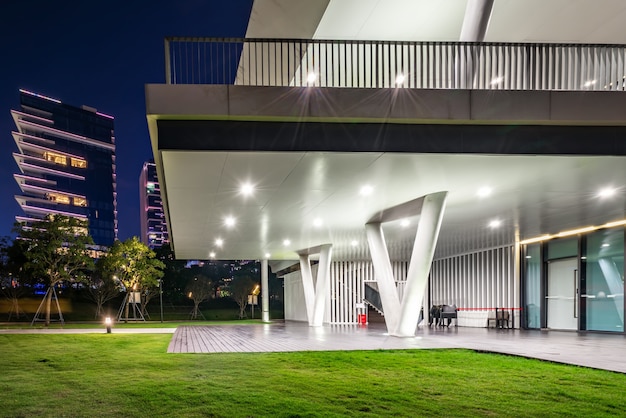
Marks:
<point>562,298</point>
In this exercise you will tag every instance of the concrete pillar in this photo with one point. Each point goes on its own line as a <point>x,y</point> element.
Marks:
<point>315,293</point>
<point>476,20</point>
<point>401,316</point>
<point>307,285</point>
<point>384,274</point>
<point>421,259</point>
<point>265,292</point>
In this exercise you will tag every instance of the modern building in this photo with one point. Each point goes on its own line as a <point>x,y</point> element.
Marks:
<point>66,164</point>
<point>406,153</point>
<point>153,224</point>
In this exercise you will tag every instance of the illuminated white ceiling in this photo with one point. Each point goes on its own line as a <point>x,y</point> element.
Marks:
<point>575,21</point>
<point>530,194</point>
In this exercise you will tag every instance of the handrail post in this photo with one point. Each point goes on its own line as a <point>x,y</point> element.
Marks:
<point>168,69</point>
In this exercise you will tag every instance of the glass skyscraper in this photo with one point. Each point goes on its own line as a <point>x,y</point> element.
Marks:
<point>153,225</point>
<point>66,163</point>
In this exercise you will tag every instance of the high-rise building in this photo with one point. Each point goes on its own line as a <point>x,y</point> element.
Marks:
<point>153,224</point>
<point>66,161</point>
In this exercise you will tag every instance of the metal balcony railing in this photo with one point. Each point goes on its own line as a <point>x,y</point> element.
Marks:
<point>385,64</point>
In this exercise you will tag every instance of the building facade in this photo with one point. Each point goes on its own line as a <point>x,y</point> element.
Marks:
<point>153,225</point>
<point>323,145</point>
<point>66,164</point>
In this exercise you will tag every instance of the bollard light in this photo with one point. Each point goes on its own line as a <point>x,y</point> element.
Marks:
<point>107,322</point>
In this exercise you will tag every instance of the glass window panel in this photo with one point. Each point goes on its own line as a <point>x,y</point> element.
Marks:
<point>604,266</point>
<point>562,248</point>
<point>533,285</point>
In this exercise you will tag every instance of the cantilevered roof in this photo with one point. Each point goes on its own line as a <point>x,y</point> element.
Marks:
<point>553,21</point>
<point>308,174</point>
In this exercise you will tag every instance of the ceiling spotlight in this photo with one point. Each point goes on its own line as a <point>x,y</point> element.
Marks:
<point>267,255</point>
<point>404,223</point>
<point>399,79</point>
<point>212,254</point>
<point>317,222</point>
<point>247,189</point>
<point>354,243</point>
<point>484,191</point>
<point>497,80</point>
<point>495,223</point>
<point>606,192</point>
<point>286,242</point>
<point>229,221</point>
<point>366,190</point>
<point>311,77</point>
<point>589,83</point>
<point>219,242</point>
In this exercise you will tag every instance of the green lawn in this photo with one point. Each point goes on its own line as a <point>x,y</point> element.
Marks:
<point>125,375</point>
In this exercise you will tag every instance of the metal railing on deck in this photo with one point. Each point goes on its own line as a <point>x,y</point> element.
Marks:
<point>386,64</point>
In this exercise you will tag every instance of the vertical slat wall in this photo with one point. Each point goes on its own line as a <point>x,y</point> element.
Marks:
<point>377,64</point>
<point>347,287</point>
<point>480,279</point>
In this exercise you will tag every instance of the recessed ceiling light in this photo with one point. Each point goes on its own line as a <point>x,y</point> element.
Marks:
<point>311,77</point>
<point>229,221</point>
<point>247,189</point>
<point>589,83</point>
<point>606,192</point>
<point>404,223</point>
<point>354,243</point>
<point>484,191</point>
<point>366,190</point>
<point>219,242</point>
<point>317,222</point>
<point>212,254</point>
<point>267,255</point>
<point>497,80</point>
<point>286,242</point>
<point>495,223</point>
<point>399,78</point>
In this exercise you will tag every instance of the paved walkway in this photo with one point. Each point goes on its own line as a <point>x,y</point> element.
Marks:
<point>601,351</point>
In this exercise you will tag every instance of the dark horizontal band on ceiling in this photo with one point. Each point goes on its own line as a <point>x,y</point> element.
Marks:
<point>384,137</point>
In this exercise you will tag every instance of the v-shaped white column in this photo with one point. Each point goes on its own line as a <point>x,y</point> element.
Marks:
<point>315,293</point>
<point>401,316</point>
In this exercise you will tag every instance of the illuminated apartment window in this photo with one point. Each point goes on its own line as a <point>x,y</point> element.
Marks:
<point>80,201</point>
<point>55,158</point>
<point>78,162</point>
<point>59,198</point>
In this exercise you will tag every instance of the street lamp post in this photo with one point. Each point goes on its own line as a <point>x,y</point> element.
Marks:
<point>161,297</point>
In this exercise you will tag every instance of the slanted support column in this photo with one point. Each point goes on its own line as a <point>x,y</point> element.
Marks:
<point>384,274</point>
<point>401,316</point>
<point>315,293</point>
<point>421,259</point>
<point>265,292</point>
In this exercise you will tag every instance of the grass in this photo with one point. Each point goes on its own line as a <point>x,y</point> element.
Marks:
<point>100,375</point>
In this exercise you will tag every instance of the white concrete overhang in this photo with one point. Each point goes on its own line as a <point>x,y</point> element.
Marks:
<point>554,21</point>
<point>312,196</point>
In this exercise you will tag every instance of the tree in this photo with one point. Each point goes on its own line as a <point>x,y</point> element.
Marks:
<point>135,265</point>
<point>173,281</point>
<point>199,289</point>
<point>57,250</point>
<point>240,287</point>
<point>103,286</point>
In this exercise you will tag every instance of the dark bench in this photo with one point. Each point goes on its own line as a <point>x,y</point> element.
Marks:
<point>440,312</point>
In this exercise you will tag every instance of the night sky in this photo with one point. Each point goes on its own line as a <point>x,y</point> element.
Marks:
<point>99,54</point>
